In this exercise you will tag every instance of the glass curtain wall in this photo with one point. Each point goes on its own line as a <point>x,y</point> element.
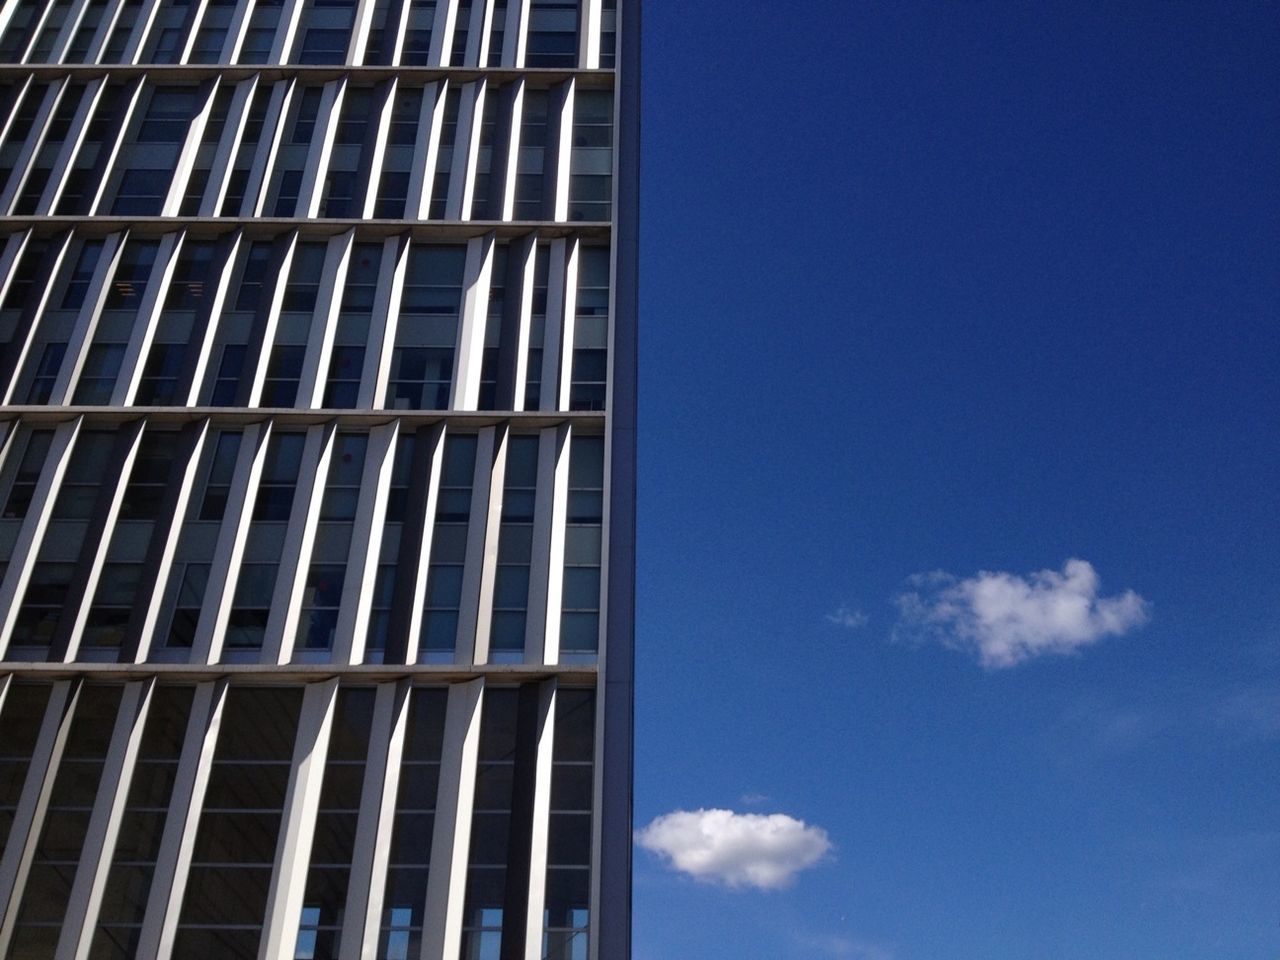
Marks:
<point>314,386</point>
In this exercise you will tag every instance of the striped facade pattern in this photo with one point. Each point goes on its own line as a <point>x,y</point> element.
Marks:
<point>316,479</point>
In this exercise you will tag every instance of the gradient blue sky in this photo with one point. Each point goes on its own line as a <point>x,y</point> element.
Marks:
<point>962,287</point>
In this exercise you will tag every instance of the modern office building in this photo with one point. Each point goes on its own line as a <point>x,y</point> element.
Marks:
<point>317,408</point>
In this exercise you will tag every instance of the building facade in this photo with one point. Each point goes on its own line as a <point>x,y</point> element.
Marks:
<point>317,471</point>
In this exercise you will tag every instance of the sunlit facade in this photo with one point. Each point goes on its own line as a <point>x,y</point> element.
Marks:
<point>317,354</point>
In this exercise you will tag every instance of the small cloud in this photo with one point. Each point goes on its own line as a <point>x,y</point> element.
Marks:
<point>1109,728</point>
<point>849,617</point>
<point>1005,619</point>
<point>1252,712</point>
<point>753,799</point>
<point>844,948</point>
<point>736,849</point>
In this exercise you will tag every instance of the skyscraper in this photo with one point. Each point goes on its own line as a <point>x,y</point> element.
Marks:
<point>317,469</point>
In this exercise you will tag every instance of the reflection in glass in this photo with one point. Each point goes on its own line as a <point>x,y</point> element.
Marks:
<point>133,864</point>
<point>75,787</point>
<point>410,855</point>
<point>231,865</point>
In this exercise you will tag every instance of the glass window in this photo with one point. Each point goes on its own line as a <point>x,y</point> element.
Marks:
<point>42,605</point>
<point>226,384</point>
<point>18,34</point>
<point>537,330</point>
<point>98,376</point>
<point>120,33</point>
<point>284,373</point>
<point>141,192</point>
<point>491,824</point>
<point>444,154</point>
<point>329,873</point>
<point>497,33</point>
<point>234,201</point>
<point>321,598</point>
<point>404,117</point>
<point>168,116</point>
<point>152,466</point>
<point>206,154</point>
<point>608,33</point>
<point>344,186</point>
<point>531,158</point>
<point>133,862</point>
<point>486,194</point>
<point>580,603</point>
<point>126,291</point>
<point>322,595</point>
<point>133,273</point>
<point>199,539</point>
<point>448,551</point>
<point>48,148</point>
<point>226,894</point>
<point>197,542</point>
<point>118,586</point>
<point>258,40</point>
<point>567,914</point>
<point>591,163</point>
<point>46,372</point>
<point>410,856</point>
<point>361,285</point>
<point>261,34</point>
<point>192,580</point>
<point>291,156</point>
<point>385,580</point>
<point>66,823</point>
<point>427,331</point>
<point>461,33</point>
<point>393,184</point>
<point>84,475</point>
<point>48,595</point>
<point>487,398</point>
<point>346,470</point>
<point>20,125</point>
<point>193,278</point>
<point>304,277</point>
<point>22,283</point>
<point>378,46</point>
<point>253,276</point>
<point>346,364</point>
<point>251,604</point>
<point>212,36</point>
<point>22,488</point>
<point>83,180</point>
<point>158,385</point>
<point>515,550</point>
<point>20,721</point>
<point>393,194</point>
<point>417,38</point>
<point>553,34</point>
<point>279,477</point>
<point>589,385</point>
<point>217,488</point>
<point>78,283</point>
<point>325,31</point>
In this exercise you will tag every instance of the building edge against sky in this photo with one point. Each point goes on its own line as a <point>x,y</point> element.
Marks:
<point>317,477</point>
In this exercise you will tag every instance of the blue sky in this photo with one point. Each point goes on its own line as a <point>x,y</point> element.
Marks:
<point>962,288</point>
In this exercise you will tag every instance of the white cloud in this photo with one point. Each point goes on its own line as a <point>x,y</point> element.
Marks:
<point>1004,618</point>
<point>1251,711</point>
<point>736,849</point>
<point>844,948</point>
<point>847,616</point>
